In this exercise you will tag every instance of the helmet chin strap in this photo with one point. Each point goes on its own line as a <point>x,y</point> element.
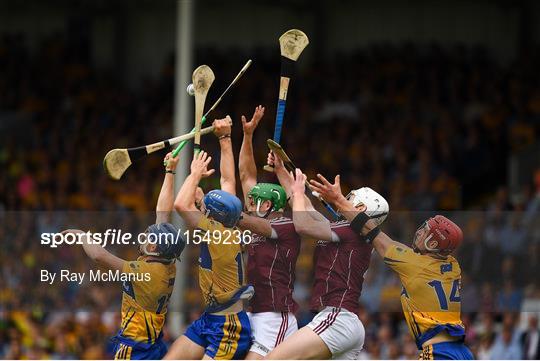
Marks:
<point>146,252</point>
<point>426,246</point>
<point>258,210</point>
<point>426,240</point>
<point>435,251</point>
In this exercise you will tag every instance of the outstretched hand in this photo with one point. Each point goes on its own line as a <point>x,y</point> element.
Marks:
<point>330,192</point>
<point>299,183</point>
<point>274,161</point>
<point>199,165</point>
<point>249,127</point>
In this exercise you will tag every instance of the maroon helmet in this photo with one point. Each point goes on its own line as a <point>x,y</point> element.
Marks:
<point>447,234</point>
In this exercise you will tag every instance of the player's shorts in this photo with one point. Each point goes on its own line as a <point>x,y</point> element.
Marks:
<point>224,337</point>
<point>341,331</point>
<point>125,350</point>
<point>446,351</point>
<point>270,329</point>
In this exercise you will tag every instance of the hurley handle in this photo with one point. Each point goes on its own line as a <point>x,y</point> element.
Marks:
<point>183,143</point>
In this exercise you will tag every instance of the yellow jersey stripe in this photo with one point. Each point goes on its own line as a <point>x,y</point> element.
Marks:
<point>128,353</point>
<point>426,353</point>
<point>125,320</point>
<point>417,327</point>
<point>238,331</point>
<point>118,355</point>
<point>128,320</point>
<point>147,328</point>
<point>223,345</point>
<point>231,338</point>
<point>153,327</point>
<point>231,342</point>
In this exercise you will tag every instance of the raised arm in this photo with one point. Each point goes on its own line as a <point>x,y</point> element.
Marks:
<point>96,252</point>
<point>286,181</point>
<point>284,178</point>
<point>332,194</point>
<point>165,201</point>
<point>305,224</point>
<point>185,200</point>
<point>226,167</point>
<point>246,161</point>
<point>257,225</point>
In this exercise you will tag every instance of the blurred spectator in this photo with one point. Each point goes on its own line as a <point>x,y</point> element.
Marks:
<point>509,298</point>
<point>504,348</point>
<point>513,236</point>
<point>530,340</point>
<point>483,351</point>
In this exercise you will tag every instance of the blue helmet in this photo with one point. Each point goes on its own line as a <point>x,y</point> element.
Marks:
<point>168,240</point>
<point>223,207</point>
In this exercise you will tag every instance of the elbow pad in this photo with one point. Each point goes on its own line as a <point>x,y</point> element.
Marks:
<point>372,234</point>
<point>359,221</point>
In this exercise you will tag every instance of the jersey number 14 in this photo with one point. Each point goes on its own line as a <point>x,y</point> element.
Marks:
<point>441,295</point>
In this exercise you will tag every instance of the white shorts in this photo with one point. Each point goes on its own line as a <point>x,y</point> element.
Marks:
<point>341,331</point>
<point>269,329</point>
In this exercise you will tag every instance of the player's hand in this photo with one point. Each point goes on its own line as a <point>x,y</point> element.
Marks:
<point>170,162</point>
<point>222,126</point>
<point>270,159</point>
<point>249,127</point>
<point>274,161</point>
<point>199,165</point>
<point>299,183</point>
<point>330,192</point>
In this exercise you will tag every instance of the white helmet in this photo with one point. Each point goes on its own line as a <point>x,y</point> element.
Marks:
<point>376,206</point>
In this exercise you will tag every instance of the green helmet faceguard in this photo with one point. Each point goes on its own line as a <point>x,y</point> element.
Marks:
<point>268,192</point>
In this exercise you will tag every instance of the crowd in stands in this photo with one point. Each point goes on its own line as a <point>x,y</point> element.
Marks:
<point>429,128</point>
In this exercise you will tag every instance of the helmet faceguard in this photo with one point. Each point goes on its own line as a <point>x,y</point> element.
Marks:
<point>268,192</point>
<point>168,240</point>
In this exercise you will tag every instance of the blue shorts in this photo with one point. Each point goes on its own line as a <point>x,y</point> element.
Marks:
<point>446,351</point>
<point>133,351</point>
<point>223,337</point>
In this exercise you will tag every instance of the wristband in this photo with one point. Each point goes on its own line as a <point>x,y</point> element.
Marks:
<point>224,136</point>
<point>372,234</point>
<point>170,171</point>
<point>359,221</point>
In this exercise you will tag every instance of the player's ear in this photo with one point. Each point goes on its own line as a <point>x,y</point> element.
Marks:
<point>266,205</point>
<point>361,207</point>
<point>151,247</point>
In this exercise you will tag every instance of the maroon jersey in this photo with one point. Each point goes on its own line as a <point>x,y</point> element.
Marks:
<point>270,268</point>
<point>339,269</point>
